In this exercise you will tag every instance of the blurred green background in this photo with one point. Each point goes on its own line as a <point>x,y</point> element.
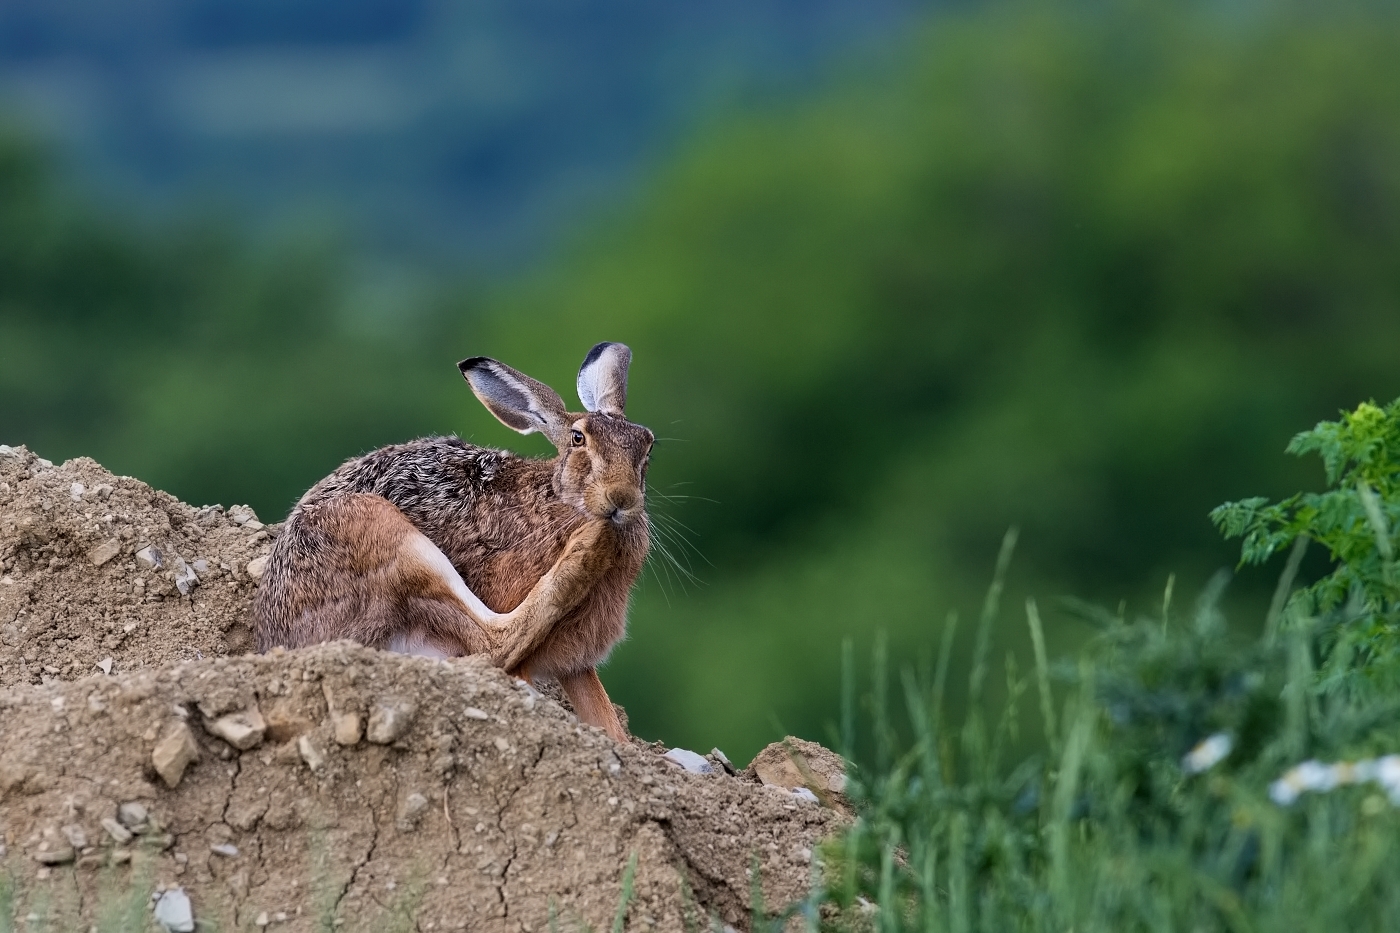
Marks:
<point>1083,268</point>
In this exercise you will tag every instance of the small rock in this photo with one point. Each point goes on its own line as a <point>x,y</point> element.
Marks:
<point>119,833</point>
<point>471,712</point>
<point>200,566</point>
<point>313,756</point>
<point>226,849</point>
<point>173,911</point>
<point>390,720</point>
<point>724,761</point>
<point>185,577</point>
<point>501,743</point>
<point>150,558</point>
<point>104,552</point>
<point>261,920</point>
<point>254,525</point>
<point>280,916</point>
<point>347,728</point>
<point>133,816</point>
<point>794,762</point>
<point>256,568</point>
<point>695,764</point>
<point>411,811</point>
<point>75,492</point>
<point>243,730</point>
<point>802,793</point>
<point>105,665</point>
<point>76,836</point>
<point>61,855</point>
<point>241,514</point>
<point>174,753</point>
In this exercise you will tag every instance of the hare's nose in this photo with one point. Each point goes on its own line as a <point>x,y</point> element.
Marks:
<point>623,500</point>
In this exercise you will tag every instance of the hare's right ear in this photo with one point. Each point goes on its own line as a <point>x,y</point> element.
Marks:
<point>521,403</point>
<point>602,380</point>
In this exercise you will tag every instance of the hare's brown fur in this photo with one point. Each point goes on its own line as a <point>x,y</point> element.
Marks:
<point>362,554</point>
<point>496,517</point>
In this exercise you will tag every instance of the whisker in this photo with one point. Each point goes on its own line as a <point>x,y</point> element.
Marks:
<point>662,537</point>
<point>676,535</point>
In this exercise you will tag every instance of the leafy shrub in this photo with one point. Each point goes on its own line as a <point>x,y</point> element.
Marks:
<point>1357,605</point>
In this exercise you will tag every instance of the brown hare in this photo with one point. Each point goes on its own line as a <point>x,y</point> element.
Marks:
<point>444,548</point>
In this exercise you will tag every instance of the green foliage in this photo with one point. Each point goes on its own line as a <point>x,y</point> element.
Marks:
<point>1110,829</point>
<point>624,900</point>
<point>7,902</point>
<point>1355,520</point>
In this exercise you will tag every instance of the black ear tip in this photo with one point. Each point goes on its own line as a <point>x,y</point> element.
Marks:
<point>596,352</point>
<point>471,362</point>
<point>602,348</point>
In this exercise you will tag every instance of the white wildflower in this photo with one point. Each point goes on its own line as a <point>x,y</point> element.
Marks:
<point>1388,771</point>
<point>1318,777</point>
<point>1314,775</point>
<point>1283,793</point>
<point>1208,753</point>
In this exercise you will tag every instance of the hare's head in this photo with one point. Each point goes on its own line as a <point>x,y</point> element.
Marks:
<point>602,463</point>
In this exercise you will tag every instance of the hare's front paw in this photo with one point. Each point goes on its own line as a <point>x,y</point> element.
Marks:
<point>589,536</point>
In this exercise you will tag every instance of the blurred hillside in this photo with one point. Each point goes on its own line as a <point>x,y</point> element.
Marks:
<point>422,130</point>
<point>1081,271</point>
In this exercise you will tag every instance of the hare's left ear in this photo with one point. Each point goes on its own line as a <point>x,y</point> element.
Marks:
<point>602,380</point>
<point>519,402</point>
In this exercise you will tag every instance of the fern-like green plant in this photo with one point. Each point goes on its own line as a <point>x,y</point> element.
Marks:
<point>1357,605</point>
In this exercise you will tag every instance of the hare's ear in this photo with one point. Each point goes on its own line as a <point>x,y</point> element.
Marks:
<point>602,380</point>
<point>521,403</point>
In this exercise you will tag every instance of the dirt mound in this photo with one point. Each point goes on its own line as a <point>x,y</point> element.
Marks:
<point>335,787</point>
<point>96,567</point>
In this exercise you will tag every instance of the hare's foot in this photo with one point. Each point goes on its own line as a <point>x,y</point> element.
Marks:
<point>591,702</point>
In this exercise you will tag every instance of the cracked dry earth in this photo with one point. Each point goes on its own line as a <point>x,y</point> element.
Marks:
<point>335,787</point>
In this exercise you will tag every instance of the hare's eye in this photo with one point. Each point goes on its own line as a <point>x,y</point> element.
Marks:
<point>576,438</point>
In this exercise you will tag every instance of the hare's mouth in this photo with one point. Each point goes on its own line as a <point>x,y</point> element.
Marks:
<point>622,517</point>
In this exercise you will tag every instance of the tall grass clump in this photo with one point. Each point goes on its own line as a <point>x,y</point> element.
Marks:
<point>1189,778</point>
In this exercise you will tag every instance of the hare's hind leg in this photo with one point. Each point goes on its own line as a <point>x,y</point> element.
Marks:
<point>444,610</point>
<point>357,568</point>
<point>591,702</point>
<point>444,614</point>
<point>439,614</point>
